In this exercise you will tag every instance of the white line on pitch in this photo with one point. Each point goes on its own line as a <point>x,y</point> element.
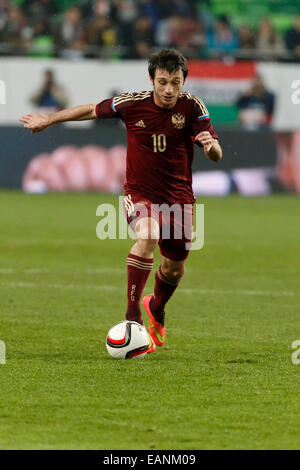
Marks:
<point>105,270</point>
<point>204,271</point>
<point>47,270</point>
<point>26,271</point>
<point>183,290</point>
<point>51,242</point>
<point>240,292</point>
<point>122,270</point>
<point>34,285</point>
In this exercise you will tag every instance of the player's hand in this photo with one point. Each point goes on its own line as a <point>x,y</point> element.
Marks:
<point>35,122</point>
<point>205,139</point>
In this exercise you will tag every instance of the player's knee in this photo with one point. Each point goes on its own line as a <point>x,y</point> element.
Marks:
<point>173,273</point>
<point>147,229</point>
<point>146,247</point>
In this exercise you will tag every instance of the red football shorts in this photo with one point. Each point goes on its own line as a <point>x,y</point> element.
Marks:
<point>175,223</point>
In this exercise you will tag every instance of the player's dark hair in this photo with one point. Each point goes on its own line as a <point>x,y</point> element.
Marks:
<point>169,60</point>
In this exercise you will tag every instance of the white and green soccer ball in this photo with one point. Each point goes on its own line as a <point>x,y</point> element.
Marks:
<point>128,340</point>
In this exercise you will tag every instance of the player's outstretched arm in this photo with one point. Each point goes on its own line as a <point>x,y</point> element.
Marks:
<point>211,146</point>
<point>39,122</point>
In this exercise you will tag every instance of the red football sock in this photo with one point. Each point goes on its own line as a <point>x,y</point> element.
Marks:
<point>163,290</point>
<point>138,270</point>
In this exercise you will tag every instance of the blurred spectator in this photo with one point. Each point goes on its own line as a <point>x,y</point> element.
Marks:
<point>124,13</point>
<point>182,32</point>
<point>102,7</point>
<point>246,38</point>
<point>164,9</point>
<point>16,30</point>
<point>148,8</point>
<point>222,38</point>
<point>4,9</point>
<point>268,41</point>
<point>50,97</point>
<point>158,10</point>
<point>131,28</point>
<point>142,38</point>
<point>178,31</point>
<point>196,40</point>
<point>39,10</point>
<point>256,106</point>
<point>69,33</point>
<point>42,44</point>
<point>101,32</point>
<point>292,38</point>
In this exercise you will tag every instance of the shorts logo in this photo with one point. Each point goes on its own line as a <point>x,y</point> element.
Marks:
<point>178,120</point>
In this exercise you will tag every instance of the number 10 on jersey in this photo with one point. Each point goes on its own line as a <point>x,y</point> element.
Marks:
<point>159,142</point>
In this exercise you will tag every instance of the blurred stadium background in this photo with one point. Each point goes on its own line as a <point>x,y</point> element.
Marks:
<point>244,63</point>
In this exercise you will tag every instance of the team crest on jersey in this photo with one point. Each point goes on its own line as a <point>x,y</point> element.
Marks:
<point>178,120</point>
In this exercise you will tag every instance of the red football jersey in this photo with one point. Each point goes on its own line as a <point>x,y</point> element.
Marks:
<point>160,146</point>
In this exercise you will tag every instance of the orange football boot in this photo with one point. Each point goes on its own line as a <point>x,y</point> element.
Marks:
<point>156,330</point>
<point>152,346</point>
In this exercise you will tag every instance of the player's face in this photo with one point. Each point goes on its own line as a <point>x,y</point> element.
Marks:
<point>167,87</point>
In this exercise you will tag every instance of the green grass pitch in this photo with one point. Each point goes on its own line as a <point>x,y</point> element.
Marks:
<point>225,379</point>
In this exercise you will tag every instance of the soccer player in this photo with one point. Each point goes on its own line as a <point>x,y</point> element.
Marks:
<point>162,127</point>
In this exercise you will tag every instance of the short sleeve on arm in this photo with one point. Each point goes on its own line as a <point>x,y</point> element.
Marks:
<point>106,109</point>
<point>115,107</point>
<point>201,119</point>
